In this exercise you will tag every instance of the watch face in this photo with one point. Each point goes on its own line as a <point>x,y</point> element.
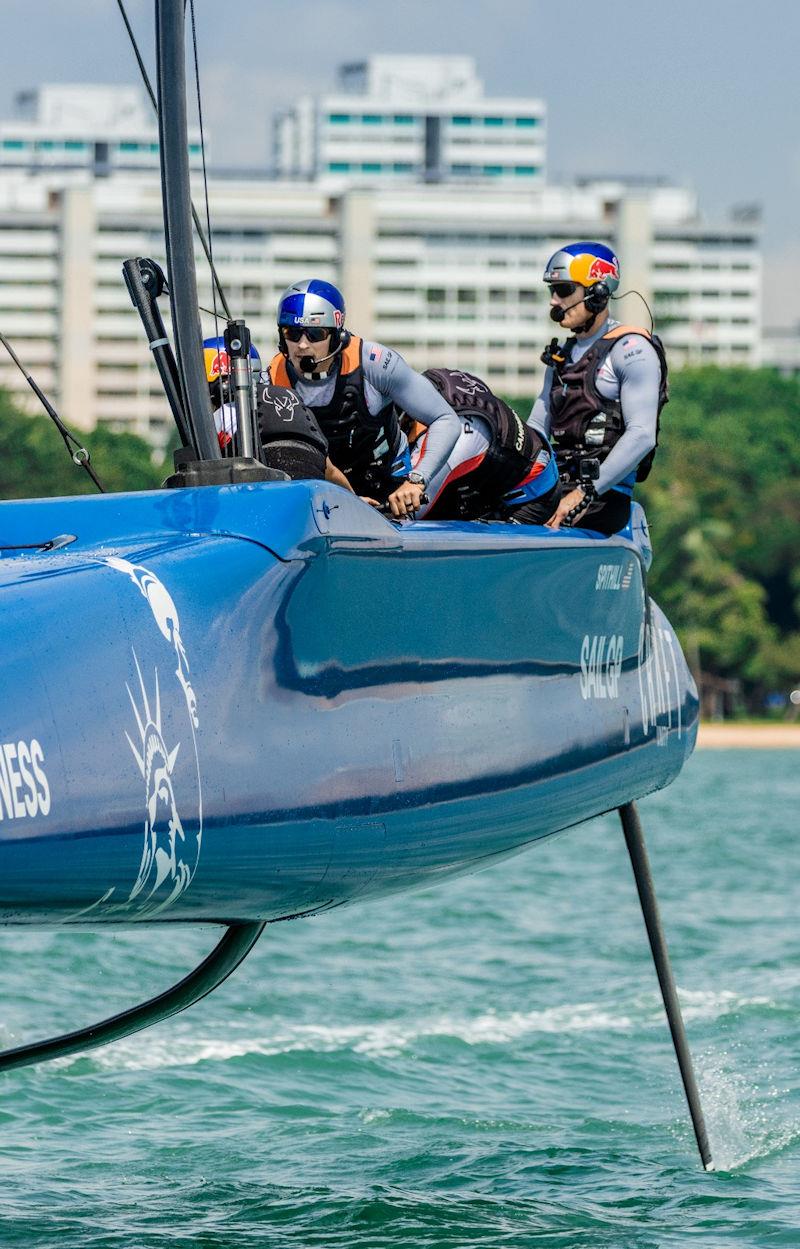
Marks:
<point>416,478</point>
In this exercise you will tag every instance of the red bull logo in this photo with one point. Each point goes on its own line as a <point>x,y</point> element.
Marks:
<point>600,268</point>
<point>218,363</point>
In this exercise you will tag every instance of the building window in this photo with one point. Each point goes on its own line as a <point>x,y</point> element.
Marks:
<point>338,119</point>
<point>14,145</point>
<point>493,170</point>
<point>403,119</point>
<point>494,121</point>
<point>45,145</point>
<point>371,166</point>
<point>75,145</point>
<point>526,121</point>
<point>461,171</point>
<point>526,171</point>
<point>402,167</point>
<point>339,166</point>
<point>372,119</point>
<point>462,121</point>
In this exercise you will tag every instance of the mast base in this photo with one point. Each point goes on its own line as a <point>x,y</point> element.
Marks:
<point>231,471</point>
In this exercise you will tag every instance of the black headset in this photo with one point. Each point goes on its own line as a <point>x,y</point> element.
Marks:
<point>594,297</point>
<point>597,297</point>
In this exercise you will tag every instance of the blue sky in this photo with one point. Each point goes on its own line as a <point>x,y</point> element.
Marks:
<point>705,93</point>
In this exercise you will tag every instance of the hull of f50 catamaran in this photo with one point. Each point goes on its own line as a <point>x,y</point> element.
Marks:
<point>260,701</point>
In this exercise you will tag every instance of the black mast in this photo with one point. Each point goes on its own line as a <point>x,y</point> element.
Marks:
<point>176,194</point>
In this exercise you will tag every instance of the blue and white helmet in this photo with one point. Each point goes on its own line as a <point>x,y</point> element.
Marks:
<point>312,303</point>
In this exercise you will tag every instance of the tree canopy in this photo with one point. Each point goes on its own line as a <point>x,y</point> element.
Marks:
<point>34,462</point>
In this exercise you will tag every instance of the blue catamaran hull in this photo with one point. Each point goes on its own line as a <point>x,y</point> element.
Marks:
<point>255,702</point>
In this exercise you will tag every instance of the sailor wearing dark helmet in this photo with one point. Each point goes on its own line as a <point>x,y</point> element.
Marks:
<point>602,395</point>
<point>353,387</point>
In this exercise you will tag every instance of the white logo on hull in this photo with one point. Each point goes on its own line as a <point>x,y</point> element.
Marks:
<point>658,682</point>
<point>171,849</point>
<point>24,788</point>
<point>601,664</point>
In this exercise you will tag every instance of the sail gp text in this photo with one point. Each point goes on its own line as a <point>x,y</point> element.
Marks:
<point>601,663</point>
<point>24,788</point>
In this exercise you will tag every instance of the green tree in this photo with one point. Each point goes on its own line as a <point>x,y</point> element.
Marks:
<point>723,503</point>
<point>35,464</point>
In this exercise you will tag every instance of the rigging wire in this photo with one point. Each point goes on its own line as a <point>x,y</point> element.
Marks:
<point>216,283</point>
<point>79,455</point>
<point>205,176</point>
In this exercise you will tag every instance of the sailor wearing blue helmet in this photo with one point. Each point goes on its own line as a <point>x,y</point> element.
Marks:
<point>603,392</point>
<point>354,387</point>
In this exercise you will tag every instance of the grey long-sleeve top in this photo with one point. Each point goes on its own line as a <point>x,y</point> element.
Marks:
<point>387,377</point>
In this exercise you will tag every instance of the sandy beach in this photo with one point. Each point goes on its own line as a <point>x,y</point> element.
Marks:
<point>729,736</point>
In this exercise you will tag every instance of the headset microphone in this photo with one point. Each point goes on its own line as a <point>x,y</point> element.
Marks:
<point>596,299</point>
<point>308,364</point>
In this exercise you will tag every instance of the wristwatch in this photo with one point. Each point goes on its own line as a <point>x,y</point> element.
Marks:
<point>416,479</point>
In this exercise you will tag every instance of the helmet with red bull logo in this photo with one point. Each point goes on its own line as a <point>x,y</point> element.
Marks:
<point>584,263</point>
<point>217,362</point>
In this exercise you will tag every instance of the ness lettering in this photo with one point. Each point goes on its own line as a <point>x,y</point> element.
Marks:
<point>24,789</point>
<point>601,663</point>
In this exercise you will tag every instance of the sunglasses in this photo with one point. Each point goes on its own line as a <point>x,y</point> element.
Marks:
<point>563,289</point>
<point>314,333</point>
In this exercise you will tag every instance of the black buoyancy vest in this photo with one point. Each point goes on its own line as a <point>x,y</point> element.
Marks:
<point>363,446</point>
<point>514,445</point>
<point>585,425</point>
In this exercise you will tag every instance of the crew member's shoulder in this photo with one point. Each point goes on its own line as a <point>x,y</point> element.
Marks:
<point>631,347</point>
<point>378,360</point>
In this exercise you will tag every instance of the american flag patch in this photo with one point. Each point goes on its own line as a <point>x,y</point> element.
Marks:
<point>375,354</point>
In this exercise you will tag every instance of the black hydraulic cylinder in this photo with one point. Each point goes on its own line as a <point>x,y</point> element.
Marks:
<point>237,345</point>
<point>634,839</point>
<point>145,282</point>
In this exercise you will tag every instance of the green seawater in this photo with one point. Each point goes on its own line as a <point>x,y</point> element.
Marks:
<point>484,1063</point>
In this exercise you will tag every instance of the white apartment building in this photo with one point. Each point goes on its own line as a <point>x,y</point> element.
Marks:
<point>780,349</point>
<point>419,196</point>
<point>101,130</point>
<point>445,278</point>
<point>410,119</point>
